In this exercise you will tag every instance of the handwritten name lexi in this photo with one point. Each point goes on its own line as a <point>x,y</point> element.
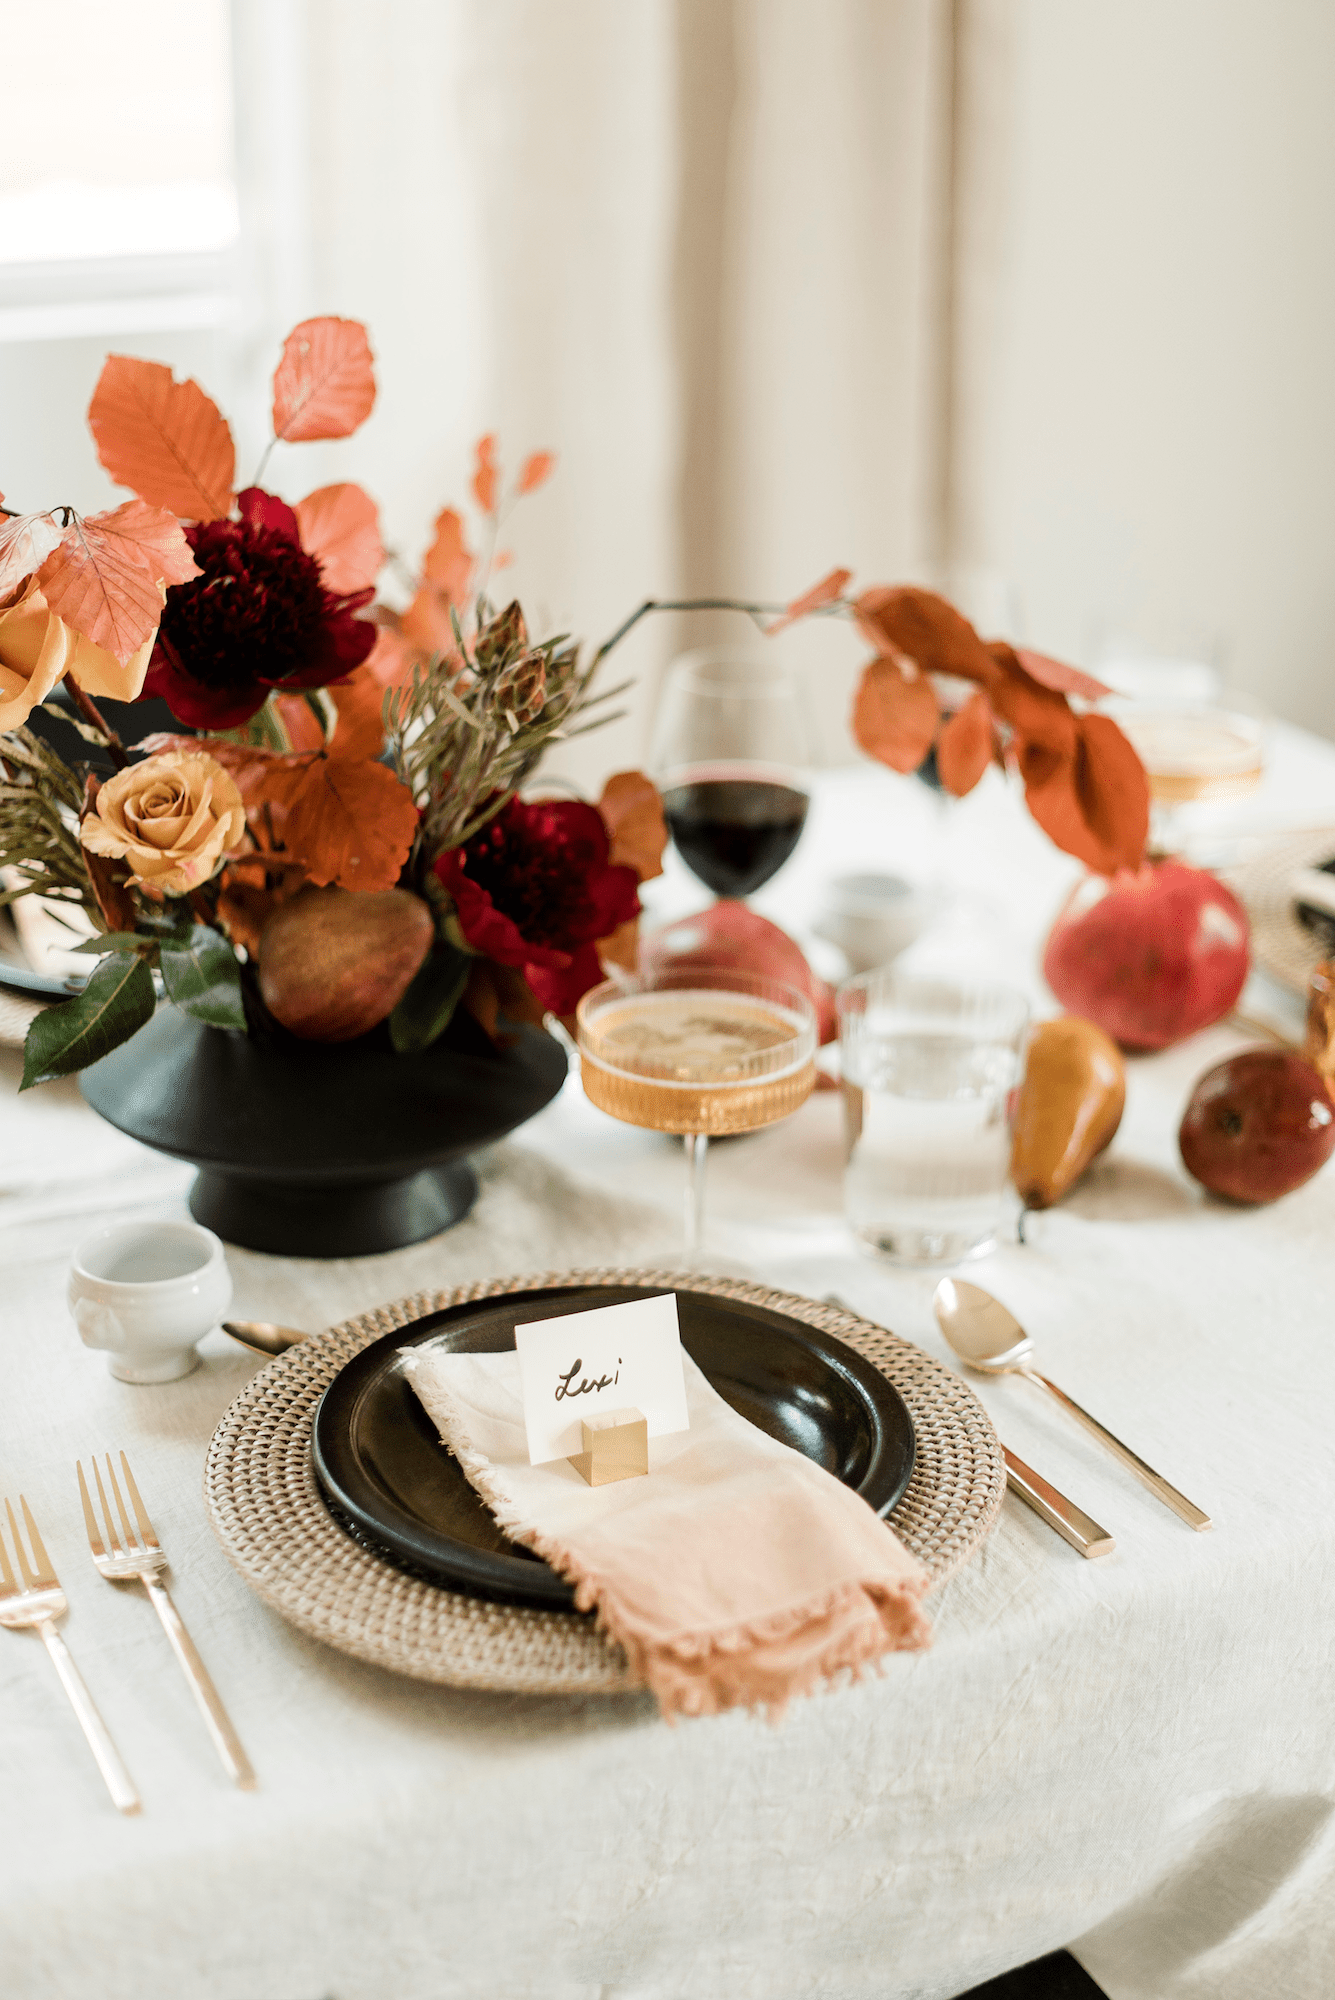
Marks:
<point>589,1386</point>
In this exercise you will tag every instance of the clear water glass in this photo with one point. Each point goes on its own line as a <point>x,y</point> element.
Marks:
<point>930,1071</point>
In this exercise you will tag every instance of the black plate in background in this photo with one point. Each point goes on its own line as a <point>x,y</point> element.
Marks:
<point>380,1462</point>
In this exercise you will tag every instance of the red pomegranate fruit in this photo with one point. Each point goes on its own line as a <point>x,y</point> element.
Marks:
<point>1257,1126</point>
<point>1149,957</point>
<point>729,934</point>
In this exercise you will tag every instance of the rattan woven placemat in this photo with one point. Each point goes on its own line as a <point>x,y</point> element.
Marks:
<point>267,1511</point>
<point>1281,941</point>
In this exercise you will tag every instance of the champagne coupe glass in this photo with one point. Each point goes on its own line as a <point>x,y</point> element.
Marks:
<point>701,1053</point>
<point>729,745</point>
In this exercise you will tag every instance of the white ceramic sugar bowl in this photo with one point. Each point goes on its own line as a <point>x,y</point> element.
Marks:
<point>146,1293</point>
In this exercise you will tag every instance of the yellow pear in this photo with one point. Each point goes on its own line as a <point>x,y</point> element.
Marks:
<point>1070,1105</point>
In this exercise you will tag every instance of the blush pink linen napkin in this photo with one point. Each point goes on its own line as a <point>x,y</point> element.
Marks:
<point>738,1573</point>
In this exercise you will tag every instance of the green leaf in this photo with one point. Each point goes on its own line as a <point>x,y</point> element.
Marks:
<point>203,979</point>
<point>115,941</point>
<point>114,1005</point>
<point>426,1008</point>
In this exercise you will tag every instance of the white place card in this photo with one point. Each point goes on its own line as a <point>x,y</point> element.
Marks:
<point>612,1358</point>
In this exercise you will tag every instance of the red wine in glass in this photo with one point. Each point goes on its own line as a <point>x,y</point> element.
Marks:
<point>730,741</point>
<point>734,826</point>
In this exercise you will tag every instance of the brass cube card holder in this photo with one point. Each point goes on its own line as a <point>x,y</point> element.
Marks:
<point>616,1446</point>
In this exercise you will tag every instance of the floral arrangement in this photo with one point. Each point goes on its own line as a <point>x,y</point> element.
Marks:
<point>338,835</point>
<point>336,838</point>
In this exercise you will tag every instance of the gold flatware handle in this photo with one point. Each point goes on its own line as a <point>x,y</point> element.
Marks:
<point>1185,1509</point>
<point>109,1760</point>
<point>1069,1521</point>
<point>216,1719</point>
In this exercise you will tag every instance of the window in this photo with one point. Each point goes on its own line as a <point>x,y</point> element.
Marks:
<point>118,200</point>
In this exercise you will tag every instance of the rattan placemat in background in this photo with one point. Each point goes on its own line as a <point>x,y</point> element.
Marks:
<point>1281,942</point>
<point>268,1514</point>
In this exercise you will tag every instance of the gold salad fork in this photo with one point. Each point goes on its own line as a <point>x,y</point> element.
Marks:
<point>39,1600</point>
<point>125,1559</point>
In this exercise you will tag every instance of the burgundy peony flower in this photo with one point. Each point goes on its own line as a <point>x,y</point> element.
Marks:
<point>259,617</point>
<point>535,890</point>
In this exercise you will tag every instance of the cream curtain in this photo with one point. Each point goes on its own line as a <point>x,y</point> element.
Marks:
<point>696,247</point>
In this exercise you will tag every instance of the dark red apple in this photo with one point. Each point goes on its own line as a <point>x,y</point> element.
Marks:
<point>729,934</point>
<point>1257,1126</point>
<point>1149,957</point>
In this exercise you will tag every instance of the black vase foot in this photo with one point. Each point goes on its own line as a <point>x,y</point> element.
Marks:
<point>337,1221</point>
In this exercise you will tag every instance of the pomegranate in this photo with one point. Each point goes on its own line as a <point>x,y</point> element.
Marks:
<point>1149,957</point>
<point>729,934</point>
<point>1257,1126</point>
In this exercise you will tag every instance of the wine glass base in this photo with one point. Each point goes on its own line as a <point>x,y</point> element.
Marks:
<point>924,1248</point>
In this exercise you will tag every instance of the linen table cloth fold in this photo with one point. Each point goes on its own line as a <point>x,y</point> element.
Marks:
<point>737,1573</point>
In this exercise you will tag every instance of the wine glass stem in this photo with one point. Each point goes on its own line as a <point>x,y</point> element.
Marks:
<point>697,1156</point>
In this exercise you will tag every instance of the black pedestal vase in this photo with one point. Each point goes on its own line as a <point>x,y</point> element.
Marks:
<point>316,1151</point>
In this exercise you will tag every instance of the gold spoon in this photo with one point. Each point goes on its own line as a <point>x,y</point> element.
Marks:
<point>263,1335</point>
<point>989,1338</point>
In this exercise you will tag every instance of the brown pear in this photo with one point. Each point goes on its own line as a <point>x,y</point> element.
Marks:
<point>1070,1105</point>
<point>333,962</point>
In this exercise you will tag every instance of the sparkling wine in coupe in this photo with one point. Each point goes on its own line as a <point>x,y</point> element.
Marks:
<point>700,1053</point>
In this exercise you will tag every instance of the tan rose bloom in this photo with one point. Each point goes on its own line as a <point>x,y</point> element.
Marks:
<point>173,818</point>
<point>37,649</point>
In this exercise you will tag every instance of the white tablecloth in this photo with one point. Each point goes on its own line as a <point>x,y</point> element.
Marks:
<point>1134,1756</point>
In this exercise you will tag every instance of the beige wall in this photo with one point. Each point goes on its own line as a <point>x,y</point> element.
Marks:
<point>1145,433</point>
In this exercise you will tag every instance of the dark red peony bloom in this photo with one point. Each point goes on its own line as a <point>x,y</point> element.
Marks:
<point>535,890</point>
<point>259,617</point>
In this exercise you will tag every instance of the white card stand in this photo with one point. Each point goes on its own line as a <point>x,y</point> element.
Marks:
<point>616,1446</point>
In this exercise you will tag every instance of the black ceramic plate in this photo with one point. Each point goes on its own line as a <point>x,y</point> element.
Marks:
<point>380,1463</point>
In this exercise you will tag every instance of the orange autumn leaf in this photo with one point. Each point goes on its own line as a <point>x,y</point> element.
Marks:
<point>632,812</point>
<point>249,891</point>
<point>340,527</point>
<point>895,714</point>
<point>351,823</point>
<point>425,625</point>
<point>621,947</point>
<point>965,746</point>
<point>1057,675</point>
<point>104,578</point>
<point>536,469</point>
<point>393,657</point>
<point>486,474</point>
<point>324,384</point>
<point>1113,792</point>
<point>825,592</point>
<point>165,439</point>
<point>448,563</point>
<point>903,619</point>
<point>1041,719</point>
<point>360,729</point>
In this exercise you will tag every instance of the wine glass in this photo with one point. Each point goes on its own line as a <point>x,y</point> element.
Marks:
<point>729,744</point>
<point>700,1053</point>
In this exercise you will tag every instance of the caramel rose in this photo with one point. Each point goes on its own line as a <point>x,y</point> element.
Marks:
<point>173,818</point>
<point>37,649</point>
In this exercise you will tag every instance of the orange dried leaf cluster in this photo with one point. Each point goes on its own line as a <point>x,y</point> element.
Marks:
<point>1084,783</point>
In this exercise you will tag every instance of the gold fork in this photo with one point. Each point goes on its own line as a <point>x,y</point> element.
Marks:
<point>142,1560</point>
<point>39,1601</point>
